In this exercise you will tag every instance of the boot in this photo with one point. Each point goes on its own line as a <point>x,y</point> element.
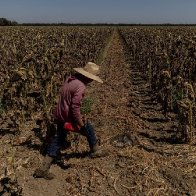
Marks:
<point>43,170</point>
<point>96,152</point>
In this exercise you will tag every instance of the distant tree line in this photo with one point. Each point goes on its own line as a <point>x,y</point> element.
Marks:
<point>102,24</point>
<point>6,22</point>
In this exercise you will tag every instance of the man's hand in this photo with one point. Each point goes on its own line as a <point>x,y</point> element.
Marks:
<point>80,123</point>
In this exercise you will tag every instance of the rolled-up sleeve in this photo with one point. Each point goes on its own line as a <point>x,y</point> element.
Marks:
<point>76,102</point>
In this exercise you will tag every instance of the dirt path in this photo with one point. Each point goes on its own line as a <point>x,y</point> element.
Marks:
<point>142,160</point>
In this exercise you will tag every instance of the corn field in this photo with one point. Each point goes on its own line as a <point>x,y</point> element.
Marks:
<point>144,112</point>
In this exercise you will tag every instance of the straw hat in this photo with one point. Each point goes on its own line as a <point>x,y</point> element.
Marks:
<point>91,70</point>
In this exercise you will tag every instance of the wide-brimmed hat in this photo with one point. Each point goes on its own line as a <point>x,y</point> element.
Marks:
<point>91,70</point>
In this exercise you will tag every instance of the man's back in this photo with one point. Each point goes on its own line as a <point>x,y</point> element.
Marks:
<point>69,103</point>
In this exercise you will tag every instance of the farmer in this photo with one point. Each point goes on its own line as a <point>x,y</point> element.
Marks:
<point>67,111</point>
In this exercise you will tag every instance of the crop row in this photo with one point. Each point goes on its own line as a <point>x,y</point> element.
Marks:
<point>167,58</point>
<point>173,49</point>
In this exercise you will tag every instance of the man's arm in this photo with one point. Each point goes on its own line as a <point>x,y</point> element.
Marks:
<point>76,105</point>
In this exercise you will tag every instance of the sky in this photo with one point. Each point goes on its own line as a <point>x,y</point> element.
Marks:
<point>99,11</point>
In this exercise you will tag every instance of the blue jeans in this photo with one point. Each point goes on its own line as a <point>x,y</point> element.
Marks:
<point>58,140</point>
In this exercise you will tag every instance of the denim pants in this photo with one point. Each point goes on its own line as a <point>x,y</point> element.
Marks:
<point>60,137</point>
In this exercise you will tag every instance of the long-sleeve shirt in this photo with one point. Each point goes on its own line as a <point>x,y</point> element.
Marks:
<point>69,103</point>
